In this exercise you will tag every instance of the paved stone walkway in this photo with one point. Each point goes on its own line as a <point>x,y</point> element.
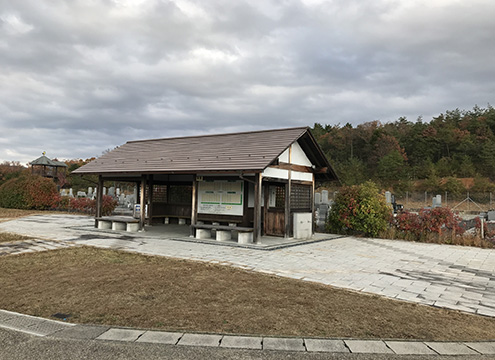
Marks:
<point>26,246</point>
<point>454,277</point>
<point>57,329</point>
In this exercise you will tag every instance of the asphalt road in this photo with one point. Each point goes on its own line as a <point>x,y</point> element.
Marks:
<point>17,346</point>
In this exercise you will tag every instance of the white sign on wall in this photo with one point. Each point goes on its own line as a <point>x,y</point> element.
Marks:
<point>224,197</point>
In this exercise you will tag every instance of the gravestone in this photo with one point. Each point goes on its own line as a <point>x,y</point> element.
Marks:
<point>81,194</point>
<point>388,197</point>
<point>111,191</point>
<point>324,196</point>
<point>90,192</point>
<point>71,194</point>
<point>117,192</point>
<point>63,192</point>
<point>437,201</point>
<point>317,198</point>
<point>104,190</point>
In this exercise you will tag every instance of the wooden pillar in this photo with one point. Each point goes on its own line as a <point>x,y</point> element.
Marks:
<point>313,219</point>
<point>99,199</point>
<point>266,198</point>
<point>245,210</point>
<point>150,200</point>
<point>194,206</point>
<point>142,203</point>
<point>288,190</point>
<point>257,208</point>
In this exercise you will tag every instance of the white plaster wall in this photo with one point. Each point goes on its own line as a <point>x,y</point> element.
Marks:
<point>299,156</point>
<point>296,175</point>
<point>276,173</point>
<point>284,157</point>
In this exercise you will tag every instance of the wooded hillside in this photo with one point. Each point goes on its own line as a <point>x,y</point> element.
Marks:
<point>456,144</point>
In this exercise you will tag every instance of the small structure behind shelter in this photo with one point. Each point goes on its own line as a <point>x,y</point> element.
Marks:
<point>45,167</point>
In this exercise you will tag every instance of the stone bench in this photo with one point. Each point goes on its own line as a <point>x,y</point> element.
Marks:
<point>166,218</point>
<point>224,232</point>
<point>120,223</point>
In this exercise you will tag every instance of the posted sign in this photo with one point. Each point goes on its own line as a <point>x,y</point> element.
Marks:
<point>224,197</point>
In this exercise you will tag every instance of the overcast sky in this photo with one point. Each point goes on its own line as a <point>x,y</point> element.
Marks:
<point>78,77</point>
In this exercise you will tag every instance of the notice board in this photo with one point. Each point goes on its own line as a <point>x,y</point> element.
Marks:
<point>224,197</point>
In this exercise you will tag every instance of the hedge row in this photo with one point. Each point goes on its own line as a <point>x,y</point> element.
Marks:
<point>34,192</point>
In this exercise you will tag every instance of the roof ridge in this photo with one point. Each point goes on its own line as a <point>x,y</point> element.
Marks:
<point>221,134</point>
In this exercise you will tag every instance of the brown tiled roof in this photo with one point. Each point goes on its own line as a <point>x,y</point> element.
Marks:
<point>245,151</point>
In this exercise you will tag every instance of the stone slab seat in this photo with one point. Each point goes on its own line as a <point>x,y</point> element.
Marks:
<point>118,223</point>
<point>223,232</point>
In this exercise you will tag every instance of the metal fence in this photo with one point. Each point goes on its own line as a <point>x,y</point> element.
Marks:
<point>468,201</point>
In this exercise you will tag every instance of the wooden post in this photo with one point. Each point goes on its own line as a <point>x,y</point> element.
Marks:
<point>194,206</point>
<point>99,199</point>
<point>288,190</point>
<point>142,203</point>
<point>265,208</point>
<point>245,216</point>
<point>313,219</point>
<point>150,200</point>
<point>257,208</point>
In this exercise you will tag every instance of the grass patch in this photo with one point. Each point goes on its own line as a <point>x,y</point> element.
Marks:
<point>110,287</point>
<point>10,237</point>
<point>7,214</point>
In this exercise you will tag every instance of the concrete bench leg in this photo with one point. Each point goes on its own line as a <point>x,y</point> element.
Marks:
<point>245,237</point>
<point>223,235</point>
<point>182,221</point>
<point>117,225</point>
<point>133,227</point>
<point>203,234</point>
<point>105,225</point>
<point>166,220</point>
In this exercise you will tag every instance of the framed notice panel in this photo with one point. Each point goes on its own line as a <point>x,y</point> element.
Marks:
<point>224,197</point>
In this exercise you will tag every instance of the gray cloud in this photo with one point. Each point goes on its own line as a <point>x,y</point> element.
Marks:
<point>80,77</point>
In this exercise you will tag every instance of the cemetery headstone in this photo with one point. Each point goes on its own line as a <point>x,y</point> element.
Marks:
<point>324,196</point>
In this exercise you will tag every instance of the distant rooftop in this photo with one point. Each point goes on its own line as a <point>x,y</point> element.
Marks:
<point>45,161</point>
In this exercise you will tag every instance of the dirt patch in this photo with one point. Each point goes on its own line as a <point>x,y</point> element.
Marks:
<point>98,286</point>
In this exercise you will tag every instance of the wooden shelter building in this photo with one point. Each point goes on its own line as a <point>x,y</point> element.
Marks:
<point>251,180</point>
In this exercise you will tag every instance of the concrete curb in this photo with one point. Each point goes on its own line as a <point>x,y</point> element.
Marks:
<point>44,327</point>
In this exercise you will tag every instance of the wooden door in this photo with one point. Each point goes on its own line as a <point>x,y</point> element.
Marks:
<point>275,222</point>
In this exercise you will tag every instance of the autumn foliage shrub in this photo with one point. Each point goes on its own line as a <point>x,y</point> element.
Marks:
<point>418,227</point>
<point>359,209</point>
<point>29,192</point>
<point>88,206</point>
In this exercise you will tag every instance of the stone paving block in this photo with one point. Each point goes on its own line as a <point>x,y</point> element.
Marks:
<point>121,334</point>
<point>486,312</point>
<point>286,344</point>
<point>48,327</point>
<point>5,315</point>
<point>485,348</point>
<point>21,322</point>
<point>451,348</point>
<point>161,337</point>
<point>326,345</point>
<point>242,342</point>
<point>200,340</point>
<point>368,346</point>
<point>409,348</point>
<point>85,332</point>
